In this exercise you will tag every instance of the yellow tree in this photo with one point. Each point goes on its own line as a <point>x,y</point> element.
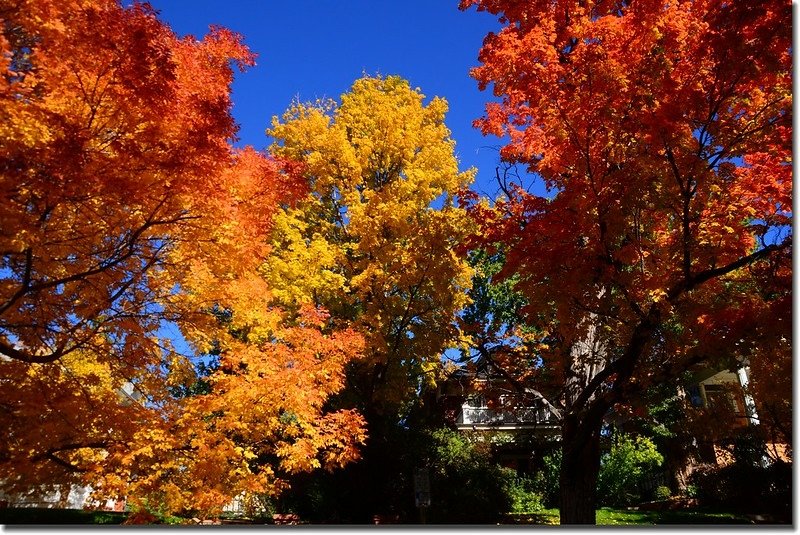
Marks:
<point>368,241</point>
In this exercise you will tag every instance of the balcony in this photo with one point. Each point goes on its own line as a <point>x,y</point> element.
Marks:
<point>518,417</point>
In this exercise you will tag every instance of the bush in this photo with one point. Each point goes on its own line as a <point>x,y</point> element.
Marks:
<point>624,468</point>
<point>744,487</point>
<point>466,485</point>
<point>546,480</point>
<point>662,493</point>
<point>524,496</point>
<point>151,512</point>
<point>751,483</point>
<point>141,517</point>
<point>41,515</point>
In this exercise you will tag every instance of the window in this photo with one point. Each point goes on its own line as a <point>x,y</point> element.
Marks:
<point>719,396</point>
<point>695,398</point>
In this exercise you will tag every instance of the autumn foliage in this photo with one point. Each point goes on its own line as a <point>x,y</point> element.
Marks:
<point>111,127</point>
<point>368,241</point>
<point>661,132</point>
<point>127,218</point>
<point>183,323</point>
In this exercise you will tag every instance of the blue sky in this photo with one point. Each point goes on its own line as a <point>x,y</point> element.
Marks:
<point>317,48</point>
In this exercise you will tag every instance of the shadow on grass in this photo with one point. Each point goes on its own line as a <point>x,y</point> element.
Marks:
<point>39,515</point>
<point>605,517</point>
<point>619,517</point>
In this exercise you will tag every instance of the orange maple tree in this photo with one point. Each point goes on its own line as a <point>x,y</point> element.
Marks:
<point>113,129</point>
<point>662,132</point>
<point>126,211</point>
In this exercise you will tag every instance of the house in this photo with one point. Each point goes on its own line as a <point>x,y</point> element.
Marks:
<point>723,397</point>
<point>522,432</point>
<point>59,497</point>
<point>70,496</point>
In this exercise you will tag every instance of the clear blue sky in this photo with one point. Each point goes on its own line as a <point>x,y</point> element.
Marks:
<point>317,48</point>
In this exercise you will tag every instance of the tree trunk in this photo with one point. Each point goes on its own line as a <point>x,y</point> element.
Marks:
<point>580,465</point>
<point>580,461</point>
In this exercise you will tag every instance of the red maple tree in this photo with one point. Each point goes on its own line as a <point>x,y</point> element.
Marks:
<point>662,131</point>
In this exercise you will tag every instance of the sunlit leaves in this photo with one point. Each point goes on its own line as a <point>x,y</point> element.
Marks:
<point>660,131</point>
<point>663,136</point>
<point>369,241</point>
<point>130,224</point>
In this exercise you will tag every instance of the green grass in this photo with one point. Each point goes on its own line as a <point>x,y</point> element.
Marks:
<point>623,517</point>
<point>605,517</point>
<point>38,515</point>
<point>617,517</point>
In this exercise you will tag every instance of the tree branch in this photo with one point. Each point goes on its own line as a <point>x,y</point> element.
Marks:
<point>704,276</point>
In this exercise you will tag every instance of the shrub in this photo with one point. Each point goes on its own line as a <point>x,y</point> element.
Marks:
<point>546,480</point>
<point>744,487</point>
<point>141,517</point>
<point>751,483</point>
<point>41,515</point>
<point>466,486</point>
<point>524,496</point>
<point>152,511</point>
<point>624,469</point>
<point>662,492</point>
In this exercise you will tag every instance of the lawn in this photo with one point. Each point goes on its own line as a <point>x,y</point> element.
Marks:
<point>608,516</point>
<point>40,515</point>
<point>605,517</point>
<point>619,517</point>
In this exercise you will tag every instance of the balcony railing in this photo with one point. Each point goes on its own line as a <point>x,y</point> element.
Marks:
<point>520,416</point>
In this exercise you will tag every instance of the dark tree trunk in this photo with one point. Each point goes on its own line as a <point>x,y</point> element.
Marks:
<point>580,466</point>
<point>581,423</point>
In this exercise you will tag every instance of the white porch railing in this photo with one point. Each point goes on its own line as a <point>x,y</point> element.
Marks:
<point>520,416</point>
